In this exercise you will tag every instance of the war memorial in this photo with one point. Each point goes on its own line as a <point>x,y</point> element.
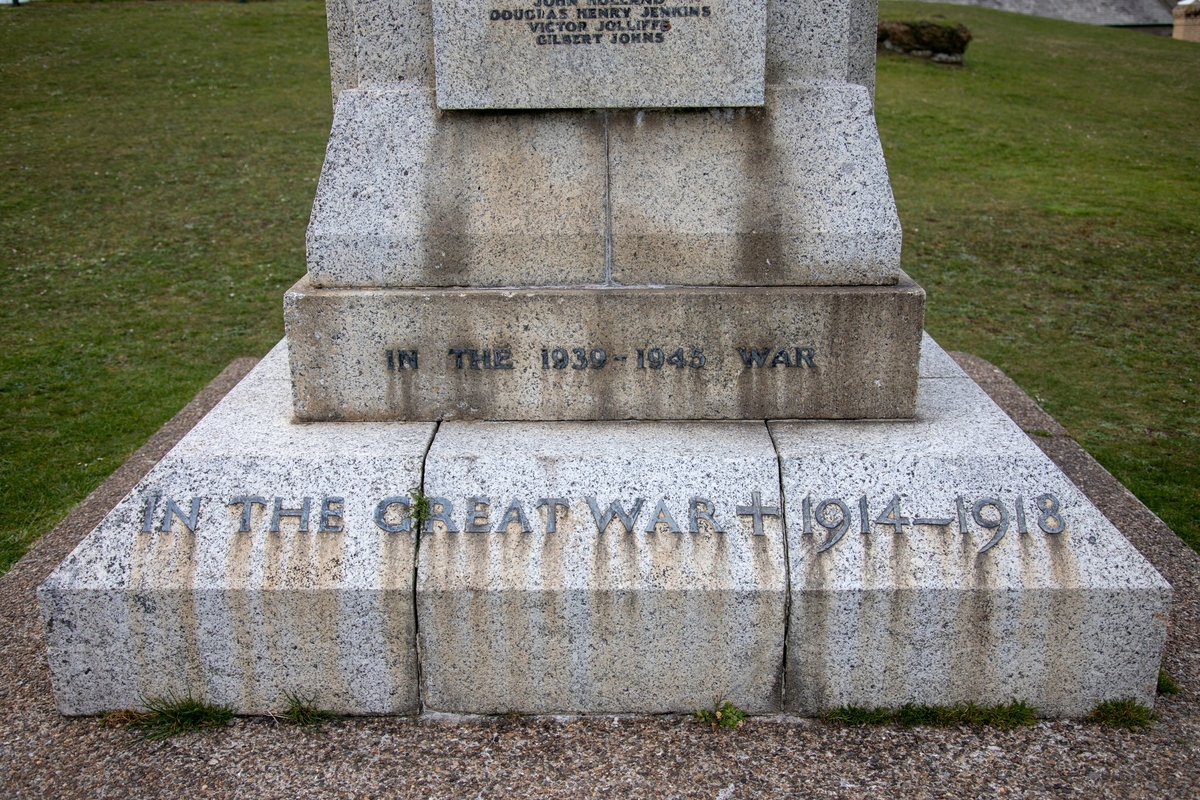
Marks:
<point>604,393</point>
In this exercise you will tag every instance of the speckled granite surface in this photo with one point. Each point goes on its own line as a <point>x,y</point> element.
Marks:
<point>45,755</point>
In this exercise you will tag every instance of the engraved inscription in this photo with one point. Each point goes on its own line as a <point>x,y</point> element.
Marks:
<point>990,518</point>
<point>598,22</point>
<point>776,357</point>
<point>171,512</point>
<point>483,358</point>
<point>583,356</point>
<point>987,513</point>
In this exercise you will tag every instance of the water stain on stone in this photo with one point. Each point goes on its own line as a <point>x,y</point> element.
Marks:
<point>395,598</point>
<point>238,564</point>
<point>759,259</point>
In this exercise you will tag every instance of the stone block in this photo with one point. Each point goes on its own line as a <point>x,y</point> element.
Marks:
<point>598,54</point>
<point>522,611</point>
<point>167,596</point>
<point>410,196</point>
<point>343,63</point>
<point>388,44</point>
<point>979,572</point>
<point>609,353</point>
<point>821,40</point>
<point>1186,22</point>
<point>380,44</point>
<point>794,193</point>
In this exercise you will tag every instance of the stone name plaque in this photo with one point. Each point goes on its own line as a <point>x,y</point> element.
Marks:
<point>598,53</point>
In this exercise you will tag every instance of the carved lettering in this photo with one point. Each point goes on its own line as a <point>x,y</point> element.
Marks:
<point>401,359</point>
<point>247,503</point>
<point>148,514</point>
<point>298,513</point>
<point>514,514</point>
<point>440,510</point>
<point>551,505</point>
<point>478,509</point>
<point>706,514</point>
<point>615,510</point>
<point>780,357</point>
<point>989,513</point>
<point>381,511</point>
<point>331,519</point>
<point>662,515</point>
<point>189,520</point>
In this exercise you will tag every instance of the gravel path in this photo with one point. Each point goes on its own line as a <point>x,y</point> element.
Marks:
<point>45,755</point>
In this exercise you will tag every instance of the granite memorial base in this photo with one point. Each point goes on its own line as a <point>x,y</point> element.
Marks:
<point>605,353</point>
<point>605,567</point>
<point>794,192</point>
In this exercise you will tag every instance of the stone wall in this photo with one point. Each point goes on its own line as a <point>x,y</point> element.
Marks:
<point>1187,22</point>
<point>1100,12</point>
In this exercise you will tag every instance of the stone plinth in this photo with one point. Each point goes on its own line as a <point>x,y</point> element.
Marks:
<point>169,596</point>
<point>660,583</point>
<point>604,353</point>
<point>409,196</point>
<point>598,53</point>
<point>794,193</point>
<point>602,567</point>
<point>979,572</point>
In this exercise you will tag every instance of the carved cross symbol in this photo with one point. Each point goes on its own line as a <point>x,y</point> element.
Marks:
<point>757,510</point>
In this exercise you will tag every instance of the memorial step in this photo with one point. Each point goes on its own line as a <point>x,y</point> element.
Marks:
<point>611,567</point>
<point>605,353</point>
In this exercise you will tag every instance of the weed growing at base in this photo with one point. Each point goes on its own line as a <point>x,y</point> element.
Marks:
<point>303,710</point>
<point>1127,713</point>
<point>172,715</point>
<point>1005,715</point>
<point>1166,684</point>
<point>725,716</point>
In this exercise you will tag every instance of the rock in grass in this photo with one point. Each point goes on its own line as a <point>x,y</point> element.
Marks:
<point>945,44</point>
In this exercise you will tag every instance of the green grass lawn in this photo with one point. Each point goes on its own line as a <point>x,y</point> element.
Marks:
<point>158,161</point>
<point>1050,198</point>
<point>157,166</point>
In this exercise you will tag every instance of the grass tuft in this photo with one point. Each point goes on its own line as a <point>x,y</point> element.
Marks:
<point>1004,715</point>
<point>420,510</point>
<point>302,710</point>
<point>725,716</point>
<point>1127,713</point>
<point>857,716</point>
<point>171,715</point>
<point>1166,684</point>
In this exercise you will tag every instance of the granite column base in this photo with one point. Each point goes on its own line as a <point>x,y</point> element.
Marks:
<point>605,567</point>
